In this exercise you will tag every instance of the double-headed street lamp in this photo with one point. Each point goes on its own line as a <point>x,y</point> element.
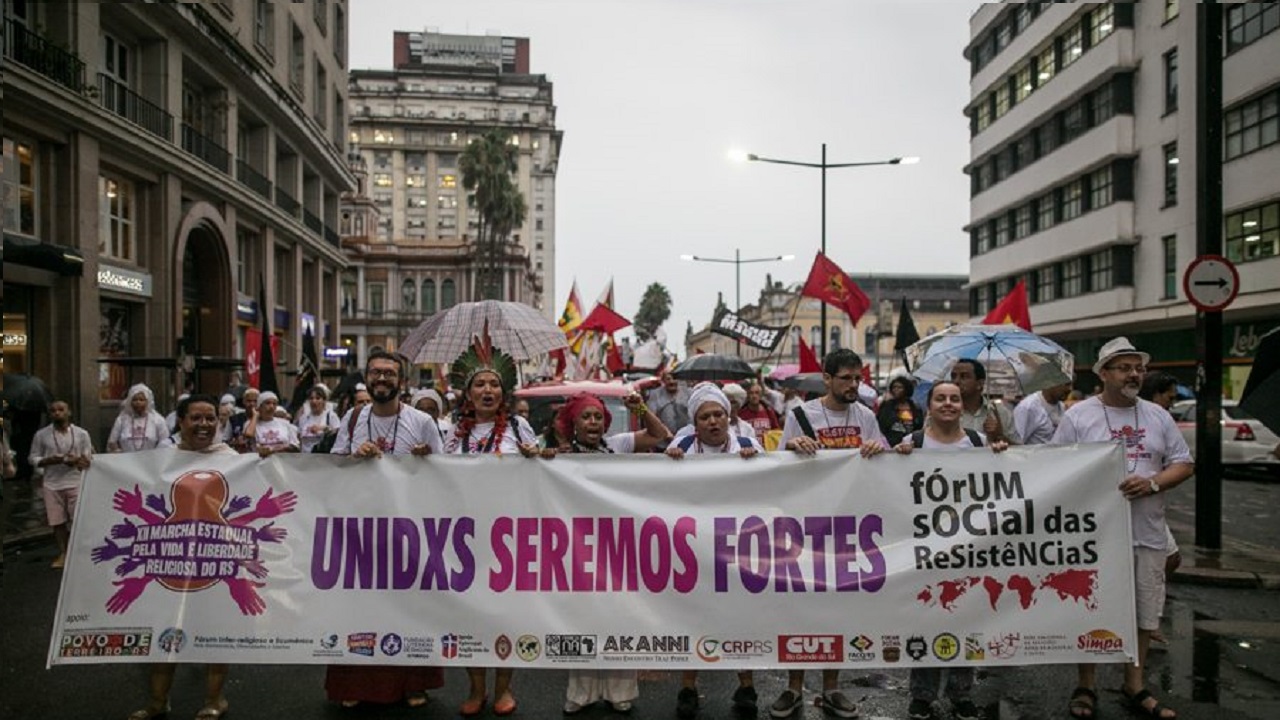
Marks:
<point>823,166</point>
<point>738,262</point>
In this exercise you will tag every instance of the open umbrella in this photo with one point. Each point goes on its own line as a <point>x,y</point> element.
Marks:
<point>784,371</point>
<point>713,367</point>
<point>1016,360</point>
<point>810,382</point>
<point>515,328</point>
<point>1261,396</point>
<point>26,393</point>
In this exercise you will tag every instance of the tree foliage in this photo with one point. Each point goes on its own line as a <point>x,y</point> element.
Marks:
<point>487,166</point>
<point>655,308</point>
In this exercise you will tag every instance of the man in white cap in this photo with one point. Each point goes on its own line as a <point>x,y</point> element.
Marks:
<point>273,434</point>
<point>1156,460</point>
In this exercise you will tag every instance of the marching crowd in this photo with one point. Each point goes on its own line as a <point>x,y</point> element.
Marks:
<point>379,418</point>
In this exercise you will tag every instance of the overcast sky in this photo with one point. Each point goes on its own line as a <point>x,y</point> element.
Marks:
<point>652,94</point>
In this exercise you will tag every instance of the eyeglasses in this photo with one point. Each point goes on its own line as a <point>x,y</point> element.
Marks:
<point>376,373</point>
<point>846,378</point>
<point>1126,369</point>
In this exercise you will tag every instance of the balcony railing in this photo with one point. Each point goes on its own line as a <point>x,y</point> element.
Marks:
<point>119,99</point>
<point>205,148</point>
<point>286,202</point>
<point>253,179</point>
<point>332,237</point>
<point>312,221</point>
<point>33,51</point>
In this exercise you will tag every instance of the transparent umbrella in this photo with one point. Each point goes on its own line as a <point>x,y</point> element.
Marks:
<point>1014,358</point>
<point>515,328</point>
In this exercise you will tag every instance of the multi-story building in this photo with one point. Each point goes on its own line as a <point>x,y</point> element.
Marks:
<point>409,127</point>
<point>160,158</point>
<point>935,301</point>
<point>1083,123</point>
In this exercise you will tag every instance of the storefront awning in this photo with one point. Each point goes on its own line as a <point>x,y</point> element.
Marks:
<point>61,259</point>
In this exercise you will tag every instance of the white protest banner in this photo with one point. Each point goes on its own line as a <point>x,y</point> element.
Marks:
<point>932,559</point>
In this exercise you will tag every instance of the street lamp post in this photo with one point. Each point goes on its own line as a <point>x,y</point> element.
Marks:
<point>738,262</point>
<point>824,166</point>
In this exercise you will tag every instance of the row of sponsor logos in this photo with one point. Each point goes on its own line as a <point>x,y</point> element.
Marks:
<point>638,649</point>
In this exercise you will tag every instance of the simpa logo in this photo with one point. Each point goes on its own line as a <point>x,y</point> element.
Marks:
<point>1004,645</point>
<point>362,643</point>
<point>528,647</point>
<point>810,648</point>
<point>391,644</point>
<point>711,650</point>
<point>117,642</point>
<point>571,647</point>
<point>974,648</point>
<point>198,536</point>
<point>917,647</point>
<point>502,647</point>
<point>1097,642</point>
<point>172,640</point>
<point>891,648</point>
<point>946,646</point>
<point>861,649</point>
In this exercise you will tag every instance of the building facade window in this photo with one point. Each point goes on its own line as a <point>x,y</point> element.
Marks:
<point>1072,46</point>
<point>1072,200</point>
<point>116,214</point>
<point>297,58</point>
<point>1101,23</point>
<point>448,294</point>
<point>1171,174</point>
<point>1046,285</point>
<point>321,95</point>
<point>264,26</point>
<point>339,34</point>
<point>320,10</point>
<point>408,295</point>
<point>1169,244</point>
<point>1100,186</point>
<point>1253,234</point>
<point>1073,277</point>
<point>428,296</point>
<point>1252,124</point>
<point>1001,230</point>
<point>1171,81</point>
<point>1101,271</point>
<point>1170,10</point>
<point>18,178</point>
<point>1248,21</point>
<point>377,299</point>
<point>1022,221</point>
<point>1046,211</point>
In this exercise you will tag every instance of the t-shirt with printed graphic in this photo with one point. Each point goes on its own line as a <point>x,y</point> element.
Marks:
<point>395,434</point>
<point>847,429</point>
<point>481,438</point>
<point>1151,443</point>
<point>276,434</point>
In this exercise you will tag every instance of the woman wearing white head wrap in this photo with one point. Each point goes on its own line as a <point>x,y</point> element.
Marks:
<point>138,426</point>
<point>226,408</point>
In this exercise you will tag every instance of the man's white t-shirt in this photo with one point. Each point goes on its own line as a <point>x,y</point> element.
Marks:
<point>1151,443</point>
<point>395,434</point>
<point>1035,419</point>
<point>46,443</point>
<point>850,428</point>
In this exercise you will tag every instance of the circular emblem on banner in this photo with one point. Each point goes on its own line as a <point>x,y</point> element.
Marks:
<point>528,647</point>
<point>916,647</point>
<point>946,646</point>
<point>502,647</point>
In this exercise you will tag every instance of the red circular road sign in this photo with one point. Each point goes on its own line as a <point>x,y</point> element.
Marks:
<point>1211,282</point>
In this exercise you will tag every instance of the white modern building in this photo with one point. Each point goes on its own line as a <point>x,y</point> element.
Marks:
<point>1082,169</point>
<point>418,254</point>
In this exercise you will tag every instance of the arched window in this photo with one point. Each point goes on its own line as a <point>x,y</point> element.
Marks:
<point>835,338</point>
<point>815,339</point>
<point>448,294</point>
<point>428,296</point>
<point>408,295</point>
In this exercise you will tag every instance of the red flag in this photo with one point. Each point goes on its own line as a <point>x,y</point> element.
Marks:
<point>613,359</point>
<point>828,283</point>
<point>603,319</point>
<point>253,355</point>
<point>1013,309</point>
<point>808,361</point>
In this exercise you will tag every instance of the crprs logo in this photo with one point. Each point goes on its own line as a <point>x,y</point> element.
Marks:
<point>810,648</point>
<point>711,649</point>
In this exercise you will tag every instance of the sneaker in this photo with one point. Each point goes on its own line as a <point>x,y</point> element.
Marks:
<point>838,704</point>
<point>787,704</point>
<point>965,710</point>
<point>622,706</point>
<point>744,700</point>
<point>687,703</point>
<point>920,710</point>
<point>571,707</point>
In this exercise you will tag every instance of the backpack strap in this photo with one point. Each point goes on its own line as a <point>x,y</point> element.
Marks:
<point>744,443</point>
<point>917,439</point>
<point>805,426</point>
<point>686,442</point>
<point>974,437</point>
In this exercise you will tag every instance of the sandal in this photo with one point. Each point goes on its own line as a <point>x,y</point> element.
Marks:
<point>416,699</point>
<point>150,713</point>
<point>1137,707</point>
<point>212,711</point>
<point>1083,703</point>
<point>471,708</point>
<point>505,705</point>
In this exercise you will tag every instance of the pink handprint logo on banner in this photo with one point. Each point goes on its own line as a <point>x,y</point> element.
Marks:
<point>198,537</point>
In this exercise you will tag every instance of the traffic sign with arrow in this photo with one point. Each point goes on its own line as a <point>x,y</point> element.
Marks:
<point>1211,282</point>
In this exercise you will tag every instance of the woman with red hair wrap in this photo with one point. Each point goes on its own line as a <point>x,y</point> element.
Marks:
<point>580,425</point>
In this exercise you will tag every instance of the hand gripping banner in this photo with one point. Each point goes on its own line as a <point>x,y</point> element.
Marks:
<point>932,559</point>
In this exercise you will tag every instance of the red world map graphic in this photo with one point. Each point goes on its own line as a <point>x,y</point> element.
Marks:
<point>1078,586</point>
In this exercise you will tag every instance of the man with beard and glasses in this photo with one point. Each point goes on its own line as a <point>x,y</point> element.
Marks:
<point>385,426</point>
<point>1156,460</point>
<point>836,420</point>
<point>63,451</point>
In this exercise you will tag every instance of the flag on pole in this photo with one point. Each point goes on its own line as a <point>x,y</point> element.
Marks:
<point>606,297</point>
<point>1012,310</point>
<point>808,361</point>
<point>308,370</point>
<point>907,334</point>
<point>571,318</point>
<point>828,283</point>
<point>266,356</point>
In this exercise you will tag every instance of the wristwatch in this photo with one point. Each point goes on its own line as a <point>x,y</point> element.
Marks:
<point>1155,486</point>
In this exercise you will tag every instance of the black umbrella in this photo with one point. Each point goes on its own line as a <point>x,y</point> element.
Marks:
<point>1261,396</point>
<point>810,382</point>
<point>26,393</point>
<point>713,367</point>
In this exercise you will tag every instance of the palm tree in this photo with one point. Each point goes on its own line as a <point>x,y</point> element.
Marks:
<point>487,166</point>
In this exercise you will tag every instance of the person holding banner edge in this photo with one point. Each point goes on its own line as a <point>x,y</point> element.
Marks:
<point>712,434</point>
<point>835,420</point>
<point>385,427</point>
<point>197,432</point>
<point>1156,460</point>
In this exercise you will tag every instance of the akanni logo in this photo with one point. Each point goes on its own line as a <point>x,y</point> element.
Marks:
<point>810,648</point>
<point>198,536</point>
<point>1100,641</point>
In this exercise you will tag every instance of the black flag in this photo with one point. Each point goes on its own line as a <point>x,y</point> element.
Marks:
<point>267,360</point>
<point>906,335</point>
<point>308,375</point>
